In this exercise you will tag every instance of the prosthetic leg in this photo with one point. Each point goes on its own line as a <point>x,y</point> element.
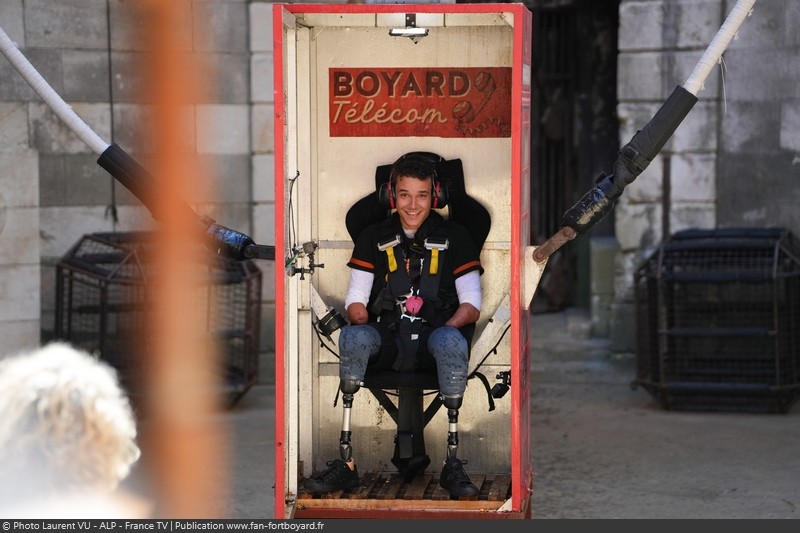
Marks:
<point>348,387</point>
<point>452,405</point>
<point>453,477</point>
<point>339,476</point>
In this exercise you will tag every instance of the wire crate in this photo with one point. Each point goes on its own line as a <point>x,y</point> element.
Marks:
<point>718,321</point>
<point>104,293</point>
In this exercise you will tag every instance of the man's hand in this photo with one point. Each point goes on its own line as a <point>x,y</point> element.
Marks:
<point>465,314</point>
<point>357,313</point>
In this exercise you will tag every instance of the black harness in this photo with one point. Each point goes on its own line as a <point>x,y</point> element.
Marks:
<point>408,301</point>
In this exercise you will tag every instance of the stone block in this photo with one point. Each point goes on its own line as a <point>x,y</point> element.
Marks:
<point>767,21</point>
<point>766,194</point>
<point>12,15</point>
<point>263,178</point>
<point>12,85</point>
<point>219,26</point>
<point>637,225</point>
<point>261,27</point>
<point>268,281</point>
<point>696,22</point>
<point>61,227</point>
<point>85,76</point>
<point>230,175</point>
<point>641,25</point>
<point>73,180</point>
<point>136,130</point>
<point>223,129</point>
<point>263,116</point>
<point>231,78</point>
<point>262,76</point>
<point>264,224</point>
<point>19,235</point>
<point>698,131</point>
<point>648,186</point>
<point>134,217</point>
<point>639,76</point>
<point>234,216</point>
<point>13,128</point>
<point>693,177</point>
<point>750,127</point>
<point>19,292</point>
<point>46,62</point>
<point>128,26</point>
<point>66,24</point>
<point>128,77</point>
<point>19,183</point>
<point>19,336</point>
<point>633,117</point>
<point>762,74</point>
<point>603,251</point>
<point>790,126</point>
<point>650,25</point>
<point>791,23</point>
<point>49,134</point>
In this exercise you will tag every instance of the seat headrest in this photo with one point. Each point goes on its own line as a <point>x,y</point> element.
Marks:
<point>449,174</point>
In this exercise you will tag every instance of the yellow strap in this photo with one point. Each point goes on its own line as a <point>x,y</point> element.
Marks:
<point>434,261</point>
<point>392,260</point>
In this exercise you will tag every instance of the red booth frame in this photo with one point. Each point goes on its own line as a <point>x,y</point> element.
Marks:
<point>522,472</point>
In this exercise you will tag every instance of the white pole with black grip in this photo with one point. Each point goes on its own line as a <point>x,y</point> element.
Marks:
<point>124,168</point>
<point>635,156</point>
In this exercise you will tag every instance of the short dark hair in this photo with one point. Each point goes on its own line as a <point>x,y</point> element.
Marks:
<point>413,165</point>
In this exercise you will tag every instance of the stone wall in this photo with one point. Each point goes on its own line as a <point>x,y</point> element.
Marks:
<point>735,159</point>
<point>51,189</point>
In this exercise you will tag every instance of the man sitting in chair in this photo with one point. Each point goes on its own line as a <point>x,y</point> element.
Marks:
<point>413,300</point>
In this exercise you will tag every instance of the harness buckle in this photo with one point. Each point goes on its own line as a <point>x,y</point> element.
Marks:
<point>437,243</point>
<point>389,243</point>
<point>388,247</point>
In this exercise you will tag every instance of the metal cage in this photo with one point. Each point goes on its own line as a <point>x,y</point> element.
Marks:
<point>103,293</point>
<point>718,320</point>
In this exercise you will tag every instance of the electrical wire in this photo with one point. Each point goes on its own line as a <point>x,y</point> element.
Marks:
<point>291,255</point>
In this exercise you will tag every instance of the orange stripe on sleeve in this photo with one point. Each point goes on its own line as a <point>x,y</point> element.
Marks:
<point>467,266</point>
<point>364,264</point>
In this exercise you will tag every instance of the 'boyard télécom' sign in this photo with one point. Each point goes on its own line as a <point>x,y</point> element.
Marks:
<point>420,102</point>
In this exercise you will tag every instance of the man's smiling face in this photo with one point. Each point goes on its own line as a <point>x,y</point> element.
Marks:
<point>412,200</point>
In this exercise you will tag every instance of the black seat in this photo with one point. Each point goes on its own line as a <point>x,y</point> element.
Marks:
<point>410,413</point>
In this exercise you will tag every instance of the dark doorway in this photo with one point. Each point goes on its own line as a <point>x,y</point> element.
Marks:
<point>575,133</point>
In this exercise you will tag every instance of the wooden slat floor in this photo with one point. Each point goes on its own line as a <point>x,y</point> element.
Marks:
<point>390,486</point>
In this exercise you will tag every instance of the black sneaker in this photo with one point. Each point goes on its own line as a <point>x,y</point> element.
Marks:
<point>338,476</point>
<point>455,480</point>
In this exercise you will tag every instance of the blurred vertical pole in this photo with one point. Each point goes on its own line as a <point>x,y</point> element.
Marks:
<point>184,438</point>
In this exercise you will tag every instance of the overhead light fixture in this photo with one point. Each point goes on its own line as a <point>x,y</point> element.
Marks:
<point>411,31</point>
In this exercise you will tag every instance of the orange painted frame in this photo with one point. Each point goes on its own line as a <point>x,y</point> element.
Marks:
<point>521,468</point>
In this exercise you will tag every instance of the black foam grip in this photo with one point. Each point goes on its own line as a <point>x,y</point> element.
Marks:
<point>631,161</point>
<point>136,179</point>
